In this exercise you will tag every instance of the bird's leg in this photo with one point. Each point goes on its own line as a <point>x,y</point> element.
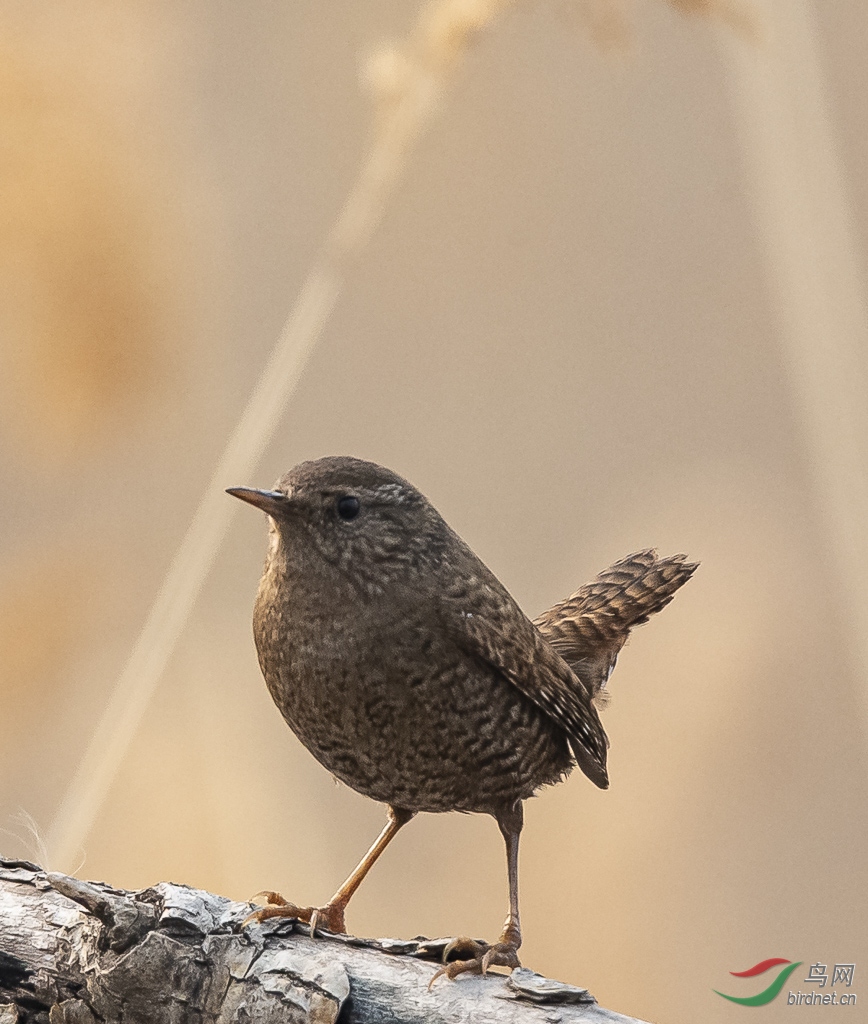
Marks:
<point>337,904</point>
<point>511,830</point>
<point>331,916</point>
<point>468,956</point>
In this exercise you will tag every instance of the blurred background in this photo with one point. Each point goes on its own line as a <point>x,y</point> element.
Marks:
<point>614,301</point>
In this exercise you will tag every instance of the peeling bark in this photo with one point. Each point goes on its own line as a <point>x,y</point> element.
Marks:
<point>74,952</point>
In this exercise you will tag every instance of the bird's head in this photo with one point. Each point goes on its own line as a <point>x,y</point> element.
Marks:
<point>356,516</point>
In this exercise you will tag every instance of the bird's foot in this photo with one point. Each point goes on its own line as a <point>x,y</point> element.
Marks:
<point>469,956</point>
<point>329,918</point>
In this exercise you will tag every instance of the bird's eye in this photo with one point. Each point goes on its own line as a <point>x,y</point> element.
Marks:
<point>348,507</point>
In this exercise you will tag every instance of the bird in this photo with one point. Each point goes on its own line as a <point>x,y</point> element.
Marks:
<point>411,674</point>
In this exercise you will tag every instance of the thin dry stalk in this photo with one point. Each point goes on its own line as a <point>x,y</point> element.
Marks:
<point>409,80</point>
<point>816,280</point>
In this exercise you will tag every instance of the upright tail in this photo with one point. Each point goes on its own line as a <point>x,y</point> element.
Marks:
<point>590,627</point>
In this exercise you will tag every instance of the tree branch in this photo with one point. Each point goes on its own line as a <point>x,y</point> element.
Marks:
<point>74,952</point>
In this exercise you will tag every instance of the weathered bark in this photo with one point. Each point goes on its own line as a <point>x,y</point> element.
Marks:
<point>74,952</point>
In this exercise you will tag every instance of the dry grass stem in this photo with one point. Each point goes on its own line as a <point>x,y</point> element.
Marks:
<point>408,80</point>
<point>817,285</point>
<point>740,17</point>
<point>406,96</point>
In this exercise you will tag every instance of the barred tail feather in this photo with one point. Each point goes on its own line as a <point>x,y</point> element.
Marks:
<point>590,627</point>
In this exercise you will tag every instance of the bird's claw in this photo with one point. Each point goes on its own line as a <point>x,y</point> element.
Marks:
<point>469,956</point>
<point>501,954</point>
<point>329,918</point>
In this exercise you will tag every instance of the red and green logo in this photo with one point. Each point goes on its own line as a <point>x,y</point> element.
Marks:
<point>767,994</point>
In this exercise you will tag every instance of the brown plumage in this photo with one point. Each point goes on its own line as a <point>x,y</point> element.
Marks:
<point>409,672</point>
<point>590,627</point>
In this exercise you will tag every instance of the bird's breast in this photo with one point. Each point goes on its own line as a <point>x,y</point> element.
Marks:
<point>396,711</point>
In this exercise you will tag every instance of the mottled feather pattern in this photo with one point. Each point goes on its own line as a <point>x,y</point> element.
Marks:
<point>590,627</point>
<point>499,634</point>
<point>407,669</point>
<point>404,665</point>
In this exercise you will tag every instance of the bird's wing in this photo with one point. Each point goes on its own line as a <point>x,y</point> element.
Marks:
<point>590,627</point>
<point>485,622</point>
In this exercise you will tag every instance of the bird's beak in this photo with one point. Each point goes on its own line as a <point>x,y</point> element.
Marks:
<point>268,501</point>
